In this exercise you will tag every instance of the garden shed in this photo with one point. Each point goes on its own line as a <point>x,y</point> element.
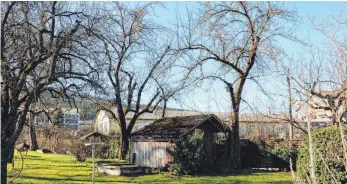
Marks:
<point>153,145</point>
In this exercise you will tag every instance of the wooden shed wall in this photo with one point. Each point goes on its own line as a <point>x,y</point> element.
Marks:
<point>151,154</point>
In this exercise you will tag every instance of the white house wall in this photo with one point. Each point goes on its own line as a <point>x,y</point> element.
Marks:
<point>318,115</point>
<point>102,123</point>
<point>106,125</point>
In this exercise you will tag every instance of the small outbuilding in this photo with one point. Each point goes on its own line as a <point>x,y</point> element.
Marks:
<point>153,145</point>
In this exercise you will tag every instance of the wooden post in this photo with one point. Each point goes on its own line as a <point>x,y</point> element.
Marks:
<point>289,106</point>
<point>93,142</point>
<point>310,141</point>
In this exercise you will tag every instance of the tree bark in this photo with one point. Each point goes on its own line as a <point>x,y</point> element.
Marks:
<point>235,98</point>
<point>164,109</point>
<point>124,147</point>
<point>6,155</point>
<point>7,144</point>
<point>228,148</point>
<point>235,141</point>
<point>3,167</point>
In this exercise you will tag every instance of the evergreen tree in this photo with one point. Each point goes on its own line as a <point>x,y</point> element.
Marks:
<point>58,118</point>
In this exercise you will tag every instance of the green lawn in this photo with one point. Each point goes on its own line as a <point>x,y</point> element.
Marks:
<point>55,168</point>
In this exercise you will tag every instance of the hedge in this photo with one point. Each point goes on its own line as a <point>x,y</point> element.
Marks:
<point>328,149</point>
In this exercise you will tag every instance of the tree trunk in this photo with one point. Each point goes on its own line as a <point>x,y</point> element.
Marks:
<point>10,156</point>
<point>228,149</point>
<point>124,147</point>
<point>4,157</point>
<point>235,141</point>
<point>235,98</point>
<point>32,131</point>
<point>164,109</point>
<point>7,145</point>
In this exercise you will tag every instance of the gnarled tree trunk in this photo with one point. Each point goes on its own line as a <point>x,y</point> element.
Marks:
<point>9,135</point>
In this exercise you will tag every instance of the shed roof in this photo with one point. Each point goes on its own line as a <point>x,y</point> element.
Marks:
<point>94,134</point>
<point>176,127</point>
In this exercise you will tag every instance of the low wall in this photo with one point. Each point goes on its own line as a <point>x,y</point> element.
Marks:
<point>119,169</point>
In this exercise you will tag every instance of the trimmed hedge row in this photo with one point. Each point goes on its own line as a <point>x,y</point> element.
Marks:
<point>328,149</point>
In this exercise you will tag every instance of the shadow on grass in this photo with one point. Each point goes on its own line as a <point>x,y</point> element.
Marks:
<point>52,166</point>
<point>238,173</point>
<point>86,178</point>
<point>34,159</point>
<point>73,179</point>
<point>31,156</point>
<point>235,173</point>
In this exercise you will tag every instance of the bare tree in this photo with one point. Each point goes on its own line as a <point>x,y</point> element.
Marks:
<point>138,61</point>
<point>41,111</point>
<point>238,38</point>
<point>323,80</point>
<point>41,50</point>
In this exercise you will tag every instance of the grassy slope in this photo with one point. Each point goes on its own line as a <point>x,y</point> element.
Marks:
<point>54,168</point>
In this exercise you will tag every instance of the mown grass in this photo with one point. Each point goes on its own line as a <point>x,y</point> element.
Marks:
<point>63,169</point>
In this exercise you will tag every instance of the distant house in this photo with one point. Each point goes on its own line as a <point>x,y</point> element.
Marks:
<point>105,124</point>
<point>321,115</point>
<point>268,124</point>
<point>72,118</point>
<point>153,145</point>
<point>275,126</point>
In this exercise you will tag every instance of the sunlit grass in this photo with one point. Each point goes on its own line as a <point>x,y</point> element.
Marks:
<point>63,169</point>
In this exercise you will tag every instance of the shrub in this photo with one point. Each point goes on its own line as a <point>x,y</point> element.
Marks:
<point>327,145</point>
<point>110,149</point>
<point>189,156</point>
<point>77,149</point>
<point>55,138</point>
<point>176,168</point>
<point>285,153</point>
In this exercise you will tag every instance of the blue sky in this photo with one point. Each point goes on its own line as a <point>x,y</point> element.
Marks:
<point>214,97</point>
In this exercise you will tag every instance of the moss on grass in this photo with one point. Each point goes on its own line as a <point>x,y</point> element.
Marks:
<point>63,169</point>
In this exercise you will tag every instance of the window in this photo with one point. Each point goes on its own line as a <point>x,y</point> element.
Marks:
<point>71,119</point>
